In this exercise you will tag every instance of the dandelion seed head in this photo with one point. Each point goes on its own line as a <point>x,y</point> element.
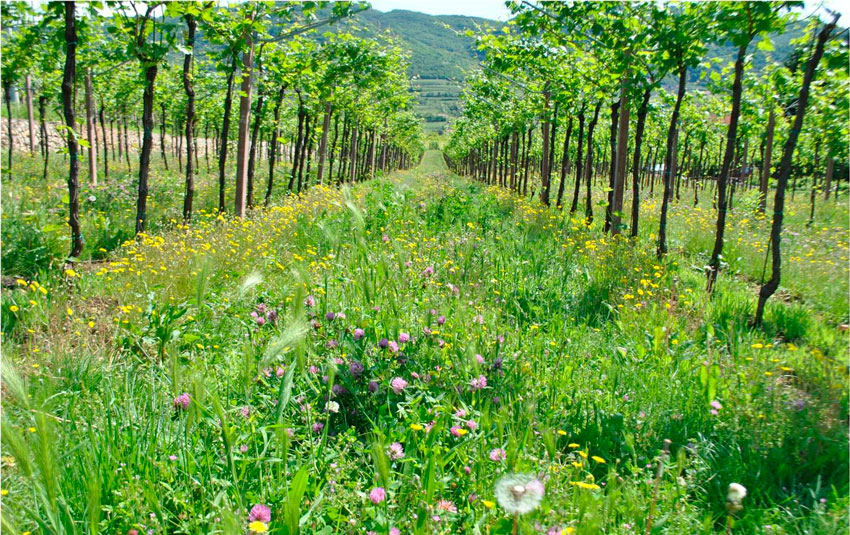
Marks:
<point>519,493</point>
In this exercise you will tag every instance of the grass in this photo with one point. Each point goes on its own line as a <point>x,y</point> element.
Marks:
<point>593,352</point>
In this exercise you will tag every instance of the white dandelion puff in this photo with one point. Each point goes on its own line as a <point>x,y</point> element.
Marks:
<point>734,496</point>
<point>519,493</point>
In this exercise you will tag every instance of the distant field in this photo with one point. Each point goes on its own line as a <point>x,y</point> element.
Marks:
<point>438,102</point>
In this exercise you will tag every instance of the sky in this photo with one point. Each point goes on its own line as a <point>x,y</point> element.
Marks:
<point>488,9</point>
<point>496,10</point>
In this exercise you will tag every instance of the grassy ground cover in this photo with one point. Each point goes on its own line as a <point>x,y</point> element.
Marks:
<point>376,358</point>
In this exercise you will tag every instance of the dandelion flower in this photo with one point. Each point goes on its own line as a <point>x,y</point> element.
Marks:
<point>258,527</point>
<point>734,496</point>
<point>519,493</point>
<point>458,431</point>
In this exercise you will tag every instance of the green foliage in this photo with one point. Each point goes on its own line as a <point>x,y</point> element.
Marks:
<point>592,350</point>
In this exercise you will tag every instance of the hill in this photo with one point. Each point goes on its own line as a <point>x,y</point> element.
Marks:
<point>441,56</point>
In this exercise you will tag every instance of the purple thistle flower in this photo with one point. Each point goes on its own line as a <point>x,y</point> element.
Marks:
<point>383,342</point>
<point>330,316</point>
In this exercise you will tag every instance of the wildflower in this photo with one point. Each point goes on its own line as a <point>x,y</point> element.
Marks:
<point>243,448</point>
<point>310,301</point>
<point>477,383</point>
<point>358,334</point>
<point>716,405</point>
<point>416,427</point>
<point>182,401</point>
<point>460,413</point>
<point>583,485</point>
<point>497,455</point>
<point>403,338</point>
<point>383,342</point>
<point>258,527</point>
<point>447,506</point>
<point>132,531</point>
<point>260,513</point>
<point>441,320</point>
<point>598,459</point>
<point>317,427</point>
<point>245,411</point>
<point>332,406</point>
<point>396,451</point>
<point>458,431</point>
<point>519,493</point>
<point>373,386</point>
<point>479,359</point>
<point>280,371</point>
<point>734,496</point>
<point>395,531</point>
<point>428,271</point>
<point>330,316</point>
<point>377,495</point>
<point>488,504</point>
<point>471,424</point>
<point>355,368</point>
<point>398,385</point>
<point>392,346</point>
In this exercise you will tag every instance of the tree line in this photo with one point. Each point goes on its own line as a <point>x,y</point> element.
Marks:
<point>579,89</point>
<point>268,81</point>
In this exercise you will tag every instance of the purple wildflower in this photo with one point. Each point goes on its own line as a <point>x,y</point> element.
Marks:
<point>182,401</point>
<point>398,385</point>
<point>260,513</point>
<point>377,495</point>
<point>396,451</point>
